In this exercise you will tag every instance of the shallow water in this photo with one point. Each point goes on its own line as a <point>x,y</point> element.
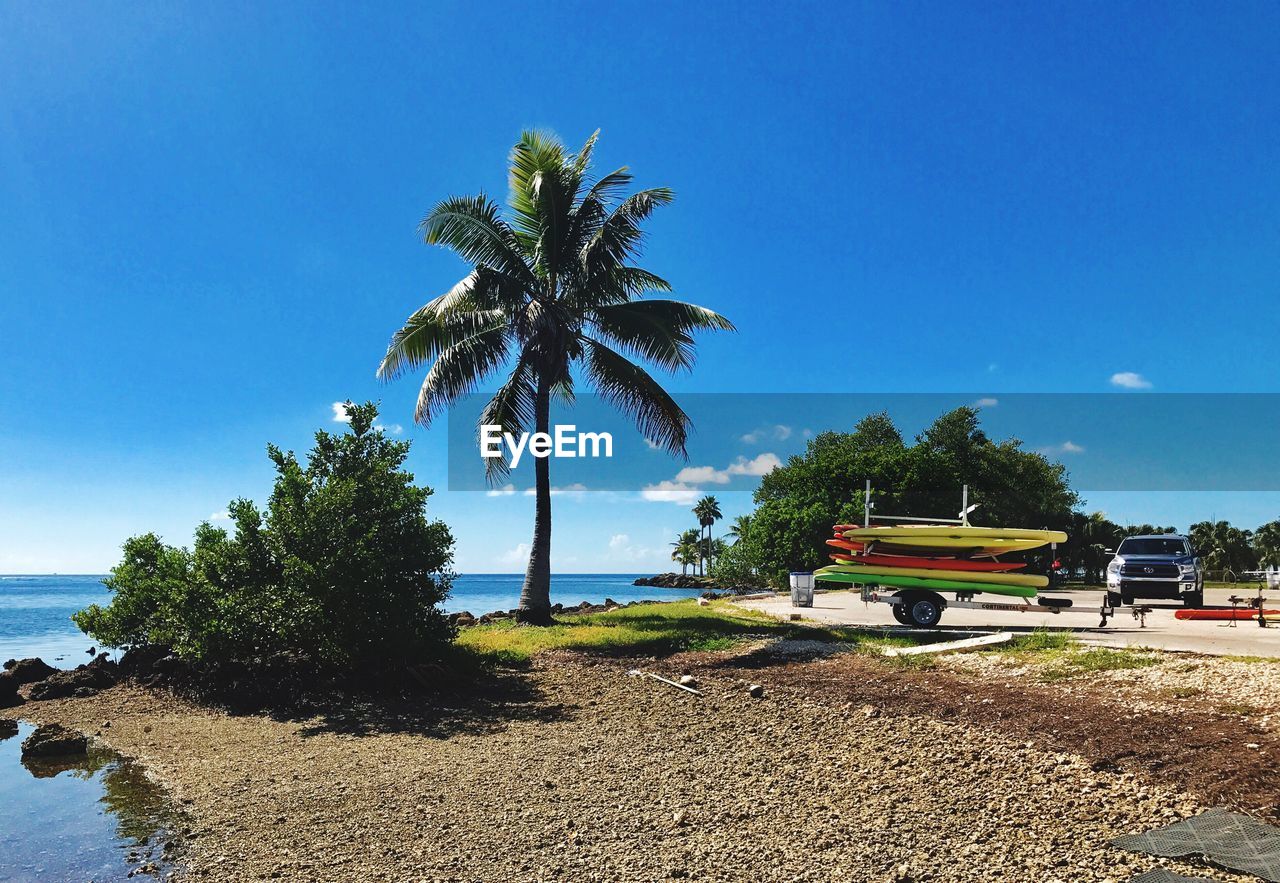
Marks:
<point>94,817</point>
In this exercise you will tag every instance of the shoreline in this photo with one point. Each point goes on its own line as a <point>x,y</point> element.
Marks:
<point>577,771</point>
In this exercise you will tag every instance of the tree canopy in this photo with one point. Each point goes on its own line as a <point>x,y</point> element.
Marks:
<point>799,502</point>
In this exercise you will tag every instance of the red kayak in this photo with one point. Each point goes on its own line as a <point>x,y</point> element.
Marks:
<point>1242,614</point>
<point>933,563</point>
<point>847,545</point>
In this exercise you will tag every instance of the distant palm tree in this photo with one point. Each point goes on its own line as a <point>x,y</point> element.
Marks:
<point>738,529</point>
<point>708,511</point>
<point>685,549</point>
<point>551,290</point>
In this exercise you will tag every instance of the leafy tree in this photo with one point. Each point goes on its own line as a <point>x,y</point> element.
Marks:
<point>798,502</point>
<point>552,296</point>
<point>343,569</point>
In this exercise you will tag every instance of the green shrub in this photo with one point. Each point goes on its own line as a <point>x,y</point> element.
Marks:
<point>342,570</point>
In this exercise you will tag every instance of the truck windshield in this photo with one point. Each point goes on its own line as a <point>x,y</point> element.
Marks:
<point>1152,546</point>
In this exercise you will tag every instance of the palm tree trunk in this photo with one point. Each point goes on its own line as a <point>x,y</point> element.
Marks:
<point>535,595</point>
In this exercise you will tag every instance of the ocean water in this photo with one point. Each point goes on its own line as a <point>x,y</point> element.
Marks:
<point>35,611</point>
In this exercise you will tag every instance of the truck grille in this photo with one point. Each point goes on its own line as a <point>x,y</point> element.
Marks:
<point>1149,571</point>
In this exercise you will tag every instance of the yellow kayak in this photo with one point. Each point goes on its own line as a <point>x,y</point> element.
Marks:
<point>1029,580</point>
<point>944,536</point>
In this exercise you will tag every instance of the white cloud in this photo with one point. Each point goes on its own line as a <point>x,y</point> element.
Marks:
<point>518,555</point>
<point>1130,380</point>
<point>340,415</point>
<point>702,475</point>
<point>505,491</point>
<point>1067,447</point>
<point>220,516</point>
<point>622,549</point>
<point>670,492</point>
<point>986,403</point>
<point>653,445</point>
<point>779,432</point>
<point>758,465</point>
<point>576,489</point>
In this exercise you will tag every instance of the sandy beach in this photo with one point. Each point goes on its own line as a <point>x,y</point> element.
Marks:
<point>581,772</point>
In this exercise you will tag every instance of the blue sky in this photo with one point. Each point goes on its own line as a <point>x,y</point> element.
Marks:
<point>209,218</point>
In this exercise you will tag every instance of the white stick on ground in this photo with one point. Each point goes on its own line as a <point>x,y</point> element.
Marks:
<point>637,672</point>
<point>949,646</point>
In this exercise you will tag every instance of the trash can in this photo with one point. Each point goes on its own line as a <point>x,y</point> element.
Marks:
<point>801,589</point>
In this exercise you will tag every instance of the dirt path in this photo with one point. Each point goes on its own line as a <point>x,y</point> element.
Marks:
<point>594,775</point>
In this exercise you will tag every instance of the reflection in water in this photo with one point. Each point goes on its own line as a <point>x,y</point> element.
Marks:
<point>92,817</point>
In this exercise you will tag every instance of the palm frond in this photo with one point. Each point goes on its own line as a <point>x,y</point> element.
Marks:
<point>619,236</point>
<point>658,330</point>
<point>535,154</point>
<point>513,407</point>
<point>475,303</point>
<point>629,388</point>
<point>459,369</point>
<point>473,227</point>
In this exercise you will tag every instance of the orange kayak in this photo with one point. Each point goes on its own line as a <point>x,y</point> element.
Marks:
<point>1240,615</point>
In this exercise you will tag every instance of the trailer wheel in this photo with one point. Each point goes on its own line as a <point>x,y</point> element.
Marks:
<point>900,611</point>
<point>924,609</point>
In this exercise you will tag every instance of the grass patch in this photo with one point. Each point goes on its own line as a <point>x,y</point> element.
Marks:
<point>1258,659</point>
<point>1237,708</point>
<point>1185,692</point>
<point>657,629</point>
<point>1096,659</point>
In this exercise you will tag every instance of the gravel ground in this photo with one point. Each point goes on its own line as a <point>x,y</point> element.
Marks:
<point>1247,689</point>
<point>594,775</point>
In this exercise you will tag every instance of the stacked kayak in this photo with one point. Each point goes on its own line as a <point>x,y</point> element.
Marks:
<point>942,558</point>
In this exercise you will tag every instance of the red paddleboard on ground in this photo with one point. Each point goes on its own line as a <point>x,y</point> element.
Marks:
<point>1243,614</point>
<point>940,563</point>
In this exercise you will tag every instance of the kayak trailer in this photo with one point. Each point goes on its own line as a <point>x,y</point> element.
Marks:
<point>923,608</point>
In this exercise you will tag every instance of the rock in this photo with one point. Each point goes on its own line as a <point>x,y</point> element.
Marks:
<point>85,680</point>
<point>703,602</point>
<point>8,729</point>
<point>679,817</point>
<point>28,671</point>
<point>755,691</point>
<point>870,711</point>
<point>463,619</point>
<point>54,740</point>
<point>9,690</point>
<point>676,581</point>
<point>92,651</point>
<point>688,681</point>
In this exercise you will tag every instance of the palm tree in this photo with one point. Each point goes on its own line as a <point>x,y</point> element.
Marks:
<point>738,529</point>
<point>685,549</point>
<point>552,296</point>
<point>708,511</point>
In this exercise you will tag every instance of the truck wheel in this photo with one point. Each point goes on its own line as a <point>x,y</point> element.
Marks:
<point>924,609</point>
<point>1126,598</point>
<point>1113,599</point>
<point>1193,599</point>
<point>900,611</point>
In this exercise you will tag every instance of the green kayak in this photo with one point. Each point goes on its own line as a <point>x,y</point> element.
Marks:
<point>915,582</point>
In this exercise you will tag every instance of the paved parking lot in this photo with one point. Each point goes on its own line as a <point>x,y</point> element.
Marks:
<point>1162,630</point>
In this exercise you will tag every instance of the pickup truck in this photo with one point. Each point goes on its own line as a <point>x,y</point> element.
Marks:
<point>1164,566</point>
